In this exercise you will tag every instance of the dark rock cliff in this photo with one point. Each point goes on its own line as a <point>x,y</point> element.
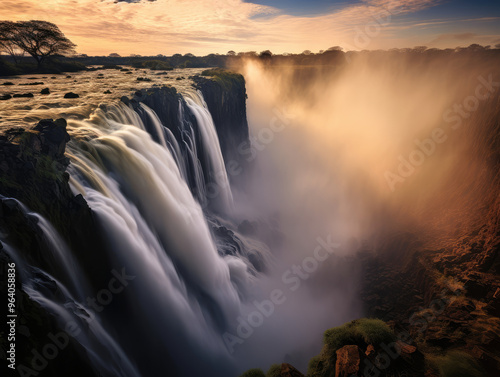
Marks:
<point>225,95</point>
<point>33,171</point>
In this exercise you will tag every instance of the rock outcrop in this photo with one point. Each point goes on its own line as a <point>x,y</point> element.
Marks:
<point>348,362</point>
<point>225,95</point>
<point>33,171</point>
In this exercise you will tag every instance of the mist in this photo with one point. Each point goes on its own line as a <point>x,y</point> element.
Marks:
<point>383,143</point>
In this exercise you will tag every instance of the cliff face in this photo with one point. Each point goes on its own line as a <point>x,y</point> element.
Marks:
<point>225,95</point>
<point>33,171</point>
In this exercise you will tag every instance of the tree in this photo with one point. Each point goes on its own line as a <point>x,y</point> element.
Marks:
<point>231,53</point>
<point>114,55</point>
<point>266,54</point>
<point>40,39</point>
<point>7,45</point>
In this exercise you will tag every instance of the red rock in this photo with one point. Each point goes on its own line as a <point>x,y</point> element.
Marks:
<point>370,350</point>
<point>288,370</point>
<point>348,362</point>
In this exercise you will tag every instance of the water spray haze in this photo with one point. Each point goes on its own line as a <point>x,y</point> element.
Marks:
<point>376,139</point>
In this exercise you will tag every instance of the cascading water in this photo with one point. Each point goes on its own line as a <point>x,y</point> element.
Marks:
<point>183,293</point>
<point>69,305</point>
<point>213,154</point>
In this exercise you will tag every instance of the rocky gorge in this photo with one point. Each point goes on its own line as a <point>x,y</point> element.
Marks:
<point>431,305</point>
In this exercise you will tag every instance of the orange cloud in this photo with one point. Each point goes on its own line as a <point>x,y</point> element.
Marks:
<point>202,27</point>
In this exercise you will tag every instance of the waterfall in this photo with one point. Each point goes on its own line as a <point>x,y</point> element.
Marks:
<point>217,174</point>
<point>147,183</point>
<point>51,294</point>
<point>157,230</point>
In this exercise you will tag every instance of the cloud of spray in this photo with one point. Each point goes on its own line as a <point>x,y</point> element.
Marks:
<point>325,171</point>
<point>353,125</point>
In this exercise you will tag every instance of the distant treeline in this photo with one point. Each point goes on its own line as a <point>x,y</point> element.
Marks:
<point>331,57</point>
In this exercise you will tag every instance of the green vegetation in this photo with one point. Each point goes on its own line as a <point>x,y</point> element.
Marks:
<point>456,364</point>
<point>360,332</point>
<point>253,373</point>
<point>321,366</point>
<point>224,77</point>
<point>8,69</point>
<point>49,66</point>
<point>39,39</point>
<point>4,181</point>
<point>156,65</point>
<point>274,371</point>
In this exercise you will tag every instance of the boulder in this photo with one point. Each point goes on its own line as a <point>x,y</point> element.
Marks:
<point>23,95</point>
<point>348,362</point>
<point>71,95</point>
<point>476,289</point>
<point>32,83</point>
<point>5,97</point>
<point>45,91</point>
<point>370,351</point>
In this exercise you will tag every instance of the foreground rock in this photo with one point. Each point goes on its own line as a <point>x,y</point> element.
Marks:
<point>71,95</point>
<point>23,95</point>
<point>33,170</point>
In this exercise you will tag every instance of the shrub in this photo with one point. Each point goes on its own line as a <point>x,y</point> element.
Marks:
<point>320,366</point>
<point>8,69</point>
<point>274,371</point>
<point>360,332</point>
<point>224,77</point>
<point>155,65</point>
<point>456,364</point>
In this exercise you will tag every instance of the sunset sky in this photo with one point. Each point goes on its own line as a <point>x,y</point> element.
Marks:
<point>151,27</point>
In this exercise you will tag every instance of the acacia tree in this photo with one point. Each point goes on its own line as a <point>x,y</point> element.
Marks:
<point>40,39</point>
<point>7,45</point>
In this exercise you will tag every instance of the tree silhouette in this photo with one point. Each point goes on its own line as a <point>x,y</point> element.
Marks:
<point>40,39</point>
<point>7,45</point>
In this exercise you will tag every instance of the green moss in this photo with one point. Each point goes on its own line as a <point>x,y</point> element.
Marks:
<point>253,373</point>
<point>360,332</point>
<point>274,371</point>
<point>224,77</point>
<point>456,364</point>
<point>46,168</point>
<point>4,181</point>
<point>321,366</point>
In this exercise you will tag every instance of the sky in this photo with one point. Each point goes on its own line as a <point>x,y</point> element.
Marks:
<point>200,27</point>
